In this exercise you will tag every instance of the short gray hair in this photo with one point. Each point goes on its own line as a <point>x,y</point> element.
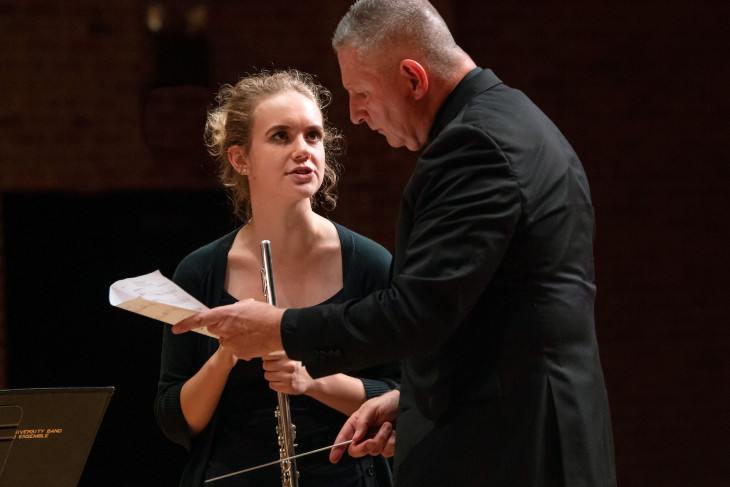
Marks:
<point>415,24</point>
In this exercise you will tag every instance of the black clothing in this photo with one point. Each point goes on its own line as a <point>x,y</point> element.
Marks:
<point>242,432</point>
<point>490,302</point>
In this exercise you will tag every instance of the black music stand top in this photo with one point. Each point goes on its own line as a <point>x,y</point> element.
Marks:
<point>53,433</point>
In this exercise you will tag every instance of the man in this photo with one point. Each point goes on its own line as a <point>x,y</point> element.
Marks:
<point>491,298</point>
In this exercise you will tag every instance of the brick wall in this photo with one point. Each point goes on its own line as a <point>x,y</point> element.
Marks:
<point>640,90</point>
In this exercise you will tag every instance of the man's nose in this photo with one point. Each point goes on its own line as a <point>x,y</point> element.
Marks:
<point>357,113</point>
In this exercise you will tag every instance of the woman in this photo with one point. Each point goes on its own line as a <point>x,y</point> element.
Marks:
<point>270,138</point>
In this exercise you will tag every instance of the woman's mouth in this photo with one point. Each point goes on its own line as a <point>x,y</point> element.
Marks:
<point>301,173</point>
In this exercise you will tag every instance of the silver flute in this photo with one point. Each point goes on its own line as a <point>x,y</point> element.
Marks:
<point>285,430</point>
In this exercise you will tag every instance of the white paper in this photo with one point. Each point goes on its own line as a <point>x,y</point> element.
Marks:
<point>155,296</point>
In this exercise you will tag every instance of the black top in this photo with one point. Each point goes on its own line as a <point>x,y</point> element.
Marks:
<point>242,432</point>
<point>490,303</point>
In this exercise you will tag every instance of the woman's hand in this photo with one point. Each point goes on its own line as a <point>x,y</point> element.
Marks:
<point>286,375</point>
<point>225,357</point>
<point>338,391</point>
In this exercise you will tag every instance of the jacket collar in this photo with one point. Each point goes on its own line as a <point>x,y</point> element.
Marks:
<point>476,81</point>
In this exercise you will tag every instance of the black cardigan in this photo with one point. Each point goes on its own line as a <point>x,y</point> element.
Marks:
<point>365,268</point>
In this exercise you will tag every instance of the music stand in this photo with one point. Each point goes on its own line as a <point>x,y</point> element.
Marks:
<point>9,421</point>
<point>53,434</point>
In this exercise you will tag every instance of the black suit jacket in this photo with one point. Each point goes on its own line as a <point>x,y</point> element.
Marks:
<point>490,304</point>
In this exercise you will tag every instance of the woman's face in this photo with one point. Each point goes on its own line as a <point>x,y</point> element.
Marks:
<point>286,155</point>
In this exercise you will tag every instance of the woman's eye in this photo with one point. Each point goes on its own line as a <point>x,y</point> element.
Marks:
<point>279,136</point>
<point>315,135</point>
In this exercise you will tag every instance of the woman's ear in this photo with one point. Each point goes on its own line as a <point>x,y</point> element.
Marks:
<point>416,77</point>
<point>237,159</point>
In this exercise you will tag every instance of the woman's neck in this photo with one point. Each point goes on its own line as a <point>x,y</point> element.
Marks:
<point>292,230</point>
<point>305,251</point>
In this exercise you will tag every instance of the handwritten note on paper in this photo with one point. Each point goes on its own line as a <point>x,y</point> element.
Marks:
<point>155,296</point>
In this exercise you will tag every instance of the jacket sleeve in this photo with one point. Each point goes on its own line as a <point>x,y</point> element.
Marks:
<point>458,214</point>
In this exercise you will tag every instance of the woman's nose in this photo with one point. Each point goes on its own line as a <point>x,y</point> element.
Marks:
<point>301,149</point>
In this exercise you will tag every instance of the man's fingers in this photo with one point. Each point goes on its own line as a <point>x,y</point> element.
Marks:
<point>336,453</point>
<point>345,434</point>
<point>208,318</point>
<point>375,445</point>
<point>359,450</point>
<point>349,431</point>
<point>389,449</point>
<point>383,434</point>
<point>382,442</point>
<point>199,320</point>
<point>185,325</point>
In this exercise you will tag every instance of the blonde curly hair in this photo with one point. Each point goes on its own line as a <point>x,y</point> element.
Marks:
<point>231,122</point>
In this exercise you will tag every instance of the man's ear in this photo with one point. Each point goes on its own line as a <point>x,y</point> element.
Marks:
<point>237,159</point>
<point>416,76</point>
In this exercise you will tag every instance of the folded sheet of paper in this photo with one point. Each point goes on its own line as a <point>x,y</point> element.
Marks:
<point>155,296</point>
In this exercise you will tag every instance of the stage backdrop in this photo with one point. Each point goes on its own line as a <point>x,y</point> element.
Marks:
<point>62,251</point>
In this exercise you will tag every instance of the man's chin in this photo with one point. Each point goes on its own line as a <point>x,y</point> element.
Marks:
<point>395,143</point>
<point>412,146</point>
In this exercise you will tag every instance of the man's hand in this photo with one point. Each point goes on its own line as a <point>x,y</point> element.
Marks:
<point>380,414</point>
<point>248,328</point>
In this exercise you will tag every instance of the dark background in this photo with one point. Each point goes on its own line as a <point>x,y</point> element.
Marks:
<point>103,176</point>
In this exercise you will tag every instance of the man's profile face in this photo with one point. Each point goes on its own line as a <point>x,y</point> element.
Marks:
<point>375,100</point>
